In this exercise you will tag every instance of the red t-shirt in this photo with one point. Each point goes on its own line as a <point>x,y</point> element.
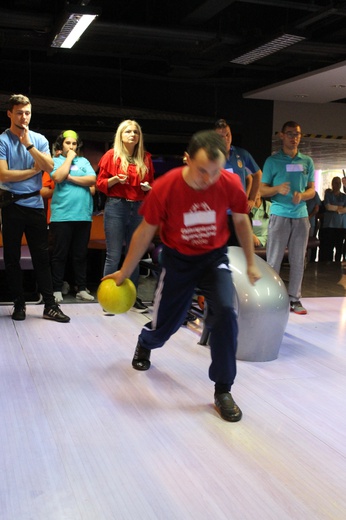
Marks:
<point>193,222</point>
<point>131,189</point>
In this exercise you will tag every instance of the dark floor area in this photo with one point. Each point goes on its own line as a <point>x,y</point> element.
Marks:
<point>321,279</point>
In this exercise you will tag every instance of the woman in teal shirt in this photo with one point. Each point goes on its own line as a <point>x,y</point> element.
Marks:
<point>71,213</point>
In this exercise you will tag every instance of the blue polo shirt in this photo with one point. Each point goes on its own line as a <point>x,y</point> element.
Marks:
<point>298,171</point>
<point>241,162</point>
<point>18,158</point>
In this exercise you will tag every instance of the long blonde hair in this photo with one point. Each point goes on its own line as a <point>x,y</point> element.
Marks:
<point>138,153</point>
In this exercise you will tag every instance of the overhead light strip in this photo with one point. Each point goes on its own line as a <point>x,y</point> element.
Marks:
<point>72,30</point>
<point>279,43</point>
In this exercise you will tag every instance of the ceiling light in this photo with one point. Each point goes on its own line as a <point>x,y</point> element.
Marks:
<point>73,27</point>
<point>279,43</point>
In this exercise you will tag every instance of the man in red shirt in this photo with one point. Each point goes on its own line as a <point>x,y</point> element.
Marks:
<point>189,204</point>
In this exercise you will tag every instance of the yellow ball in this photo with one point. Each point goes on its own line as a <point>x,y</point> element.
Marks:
<point>116,299</point>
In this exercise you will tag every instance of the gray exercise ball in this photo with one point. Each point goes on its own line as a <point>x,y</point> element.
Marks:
<point>262,309</point>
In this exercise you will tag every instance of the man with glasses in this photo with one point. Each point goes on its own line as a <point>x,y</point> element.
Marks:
<point>288,179</point>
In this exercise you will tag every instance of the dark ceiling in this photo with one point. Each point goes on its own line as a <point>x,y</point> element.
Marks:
<point>166,63</point>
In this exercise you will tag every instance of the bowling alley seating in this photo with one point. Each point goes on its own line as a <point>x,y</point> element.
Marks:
<point>96,249</point>
<point>313,243</point>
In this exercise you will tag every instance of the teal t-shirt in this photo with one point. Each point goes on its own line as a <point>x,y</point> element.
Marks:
<point>298,171</point>
<point>71,202</point>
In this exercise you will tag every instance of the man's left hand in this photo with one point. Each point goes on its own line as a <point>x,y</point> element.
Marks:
<point>253,274</point>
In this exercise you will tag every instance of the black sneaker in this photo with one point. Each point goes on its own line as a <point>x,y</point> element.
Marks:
<point>18,313</point>
<point>54,313</point>
<point>297,308</point>
<point>227,408</point>
<point>139,306</point>
<point>141,358</point>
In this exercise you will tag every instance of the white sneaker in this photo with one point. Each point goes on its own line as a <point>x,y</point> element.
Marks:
<point>85,296</point>
<point>86,289</point>
<point>58,297</point>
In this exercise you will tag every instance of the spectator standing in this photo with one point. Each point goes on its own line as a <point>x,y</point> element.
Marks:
<point>126,174</point>
<point>240,162</point>
<point>332,234</point>
<point>71,213</point>
<point>24,155</point>
<point>314,207</point>
<point>288,180</point>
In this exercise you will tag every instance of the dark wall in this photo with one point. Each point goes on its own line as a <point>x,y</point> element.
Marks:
<point>187,110</point>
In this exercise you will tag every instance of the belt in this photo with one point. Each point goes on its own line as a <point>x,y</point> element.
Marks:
<point>122,198</point>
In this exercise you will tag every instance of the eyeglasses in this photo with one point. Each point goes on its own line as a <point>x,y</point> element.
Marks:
<point>292,135</point>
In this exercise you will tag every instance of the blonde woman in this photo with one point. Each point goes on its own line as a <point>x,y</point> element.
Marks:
<point>126,174</point>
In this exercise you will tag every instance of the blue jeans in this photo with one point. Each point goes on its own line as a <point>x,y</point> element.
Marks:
<point>121,218</point>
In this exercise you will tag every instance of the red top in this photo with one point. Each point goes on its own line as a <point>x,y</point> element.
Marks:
<point>131,189</point>
<point>193,222</point>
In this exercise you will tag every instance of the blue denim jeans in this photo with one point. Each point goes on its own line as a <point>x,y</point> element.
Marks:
<point>121,218</point>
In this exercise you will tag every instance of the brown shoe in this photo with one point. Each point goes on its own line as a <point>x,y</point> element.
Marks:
<point>227,408</point>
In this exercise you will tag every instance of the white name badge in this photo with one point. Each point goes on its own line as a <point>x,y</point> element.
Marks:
<point>294,168</point>
<point>257,223</point>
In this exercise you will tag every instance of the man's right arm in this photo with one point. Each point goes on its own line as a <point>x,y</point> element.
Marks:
<point>268,191</point>
<point>139,245</point>
<point>7,175</point>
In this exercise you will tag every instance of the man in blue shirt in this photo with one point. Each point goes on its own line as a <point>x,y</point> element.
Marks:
<point>288,180</point>
<point>240,162</point>
<point>24,154</point>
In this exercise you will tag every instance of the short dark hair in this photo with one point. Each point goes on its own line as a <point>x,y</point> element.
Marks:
<point>61,138</point>
<point>210,141</point>
<point>221,123</point>
<point>289,124</point>
<point>17,99</point>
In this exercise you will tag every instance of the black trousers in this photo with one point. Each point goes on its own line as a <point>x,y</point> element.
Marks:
<point>70,237</point>
<point>178,280</point>
<point>331,238</point>
<point>16,221</point>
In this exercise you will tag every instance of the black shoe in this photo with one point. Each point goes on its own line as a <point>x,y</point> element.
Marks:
<point>189,318</point>
<point>141,358</point>
<point>18,313</point>
<point>139,306</point>
<point>54,313</point>
<point>227,408</point>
